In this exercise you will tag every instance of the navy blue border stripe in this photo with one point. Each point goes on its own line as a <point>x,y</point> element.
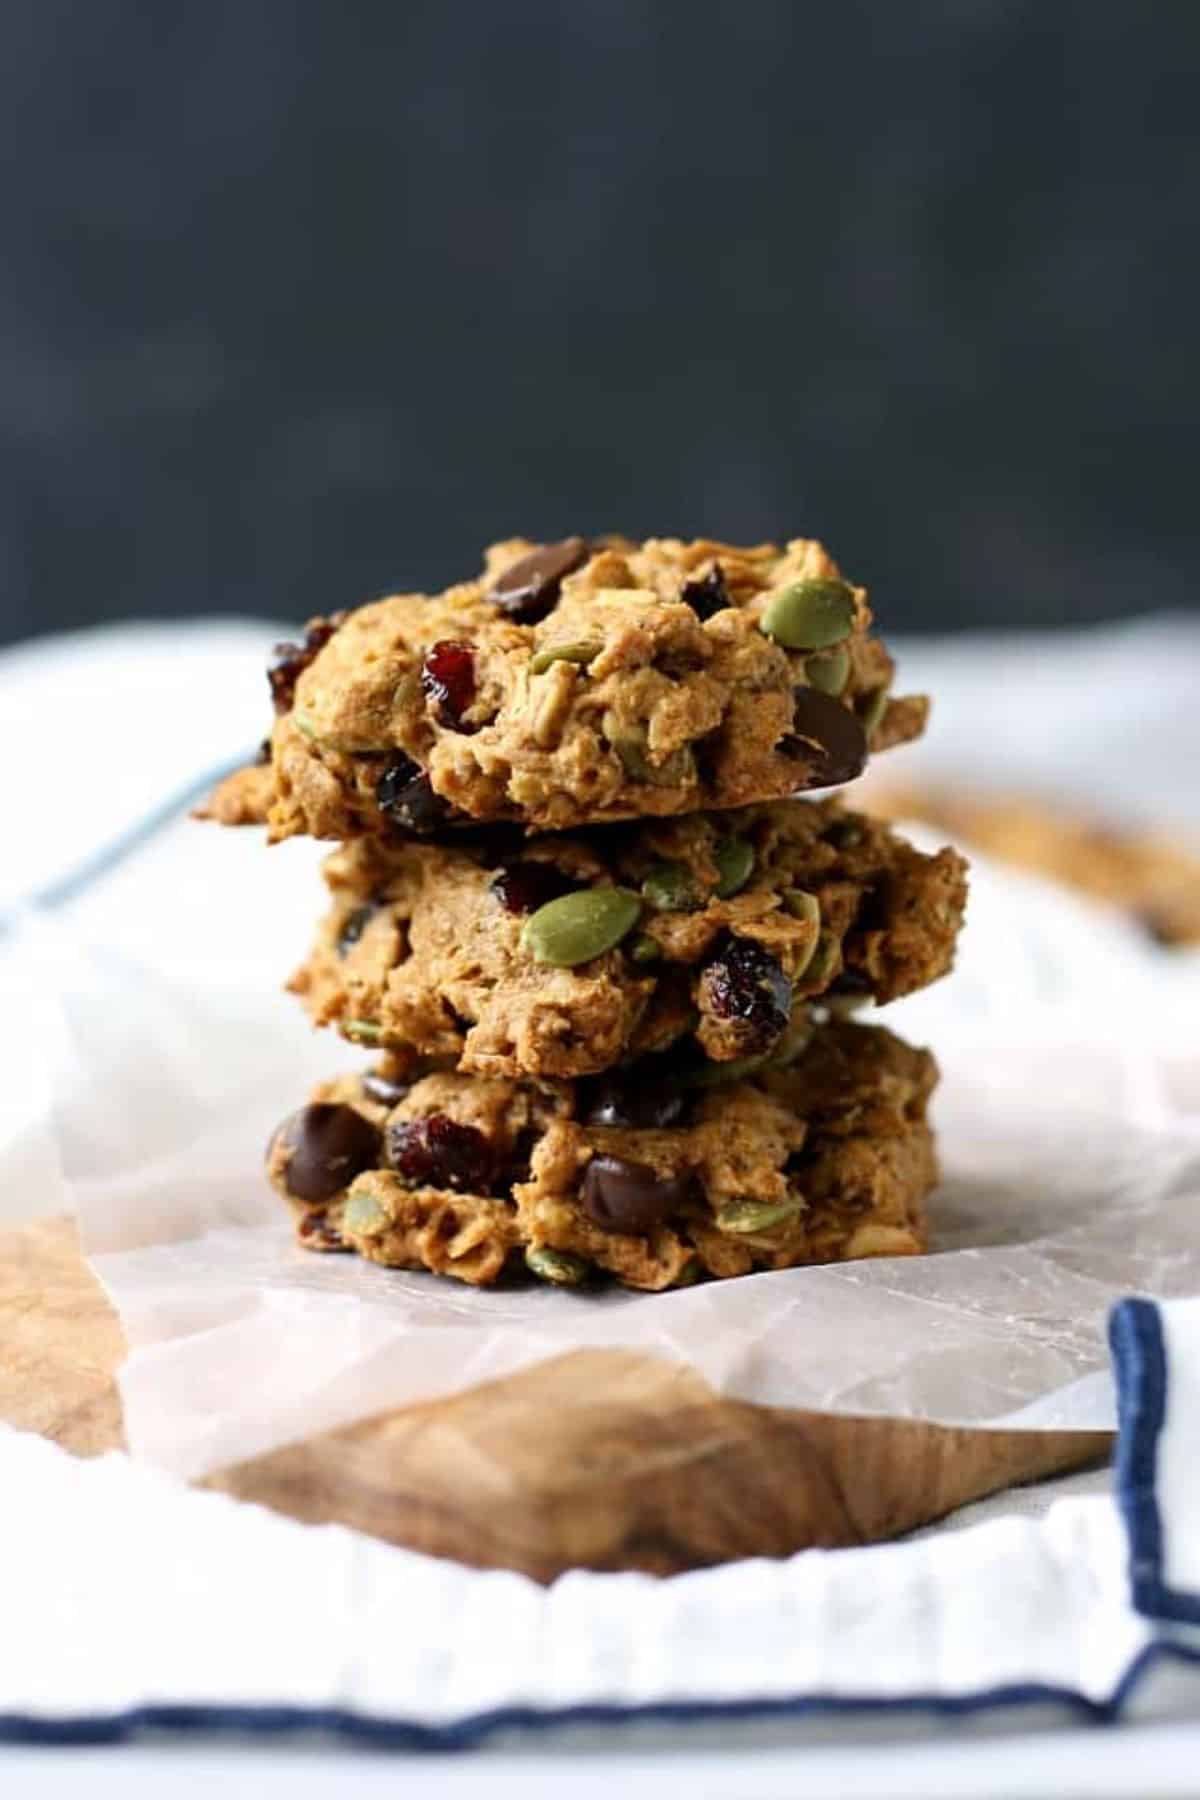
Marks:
<point>471,1732</point>
<point>1136,1340</point>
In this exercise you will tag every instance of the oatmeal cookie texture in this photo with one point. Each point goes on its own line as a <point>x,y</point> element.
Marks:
<point>640,1175</point>
<point>560,956</point>
<point>575,683</point>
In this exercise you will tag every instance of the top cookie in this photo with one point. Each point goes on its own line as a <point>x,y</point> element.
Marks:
<point>580,682</point>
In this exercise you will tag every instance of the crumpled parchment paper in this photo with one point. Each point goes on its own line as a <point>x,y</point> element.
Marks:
<point>1069,1118</point>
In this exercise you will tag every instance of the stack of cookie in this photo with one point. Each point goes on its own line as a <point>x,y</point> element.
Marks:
<point>604,955</point>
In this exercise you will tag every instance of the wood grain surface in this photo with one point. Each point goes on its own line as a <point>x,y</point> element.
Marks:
<point>596,1459</point>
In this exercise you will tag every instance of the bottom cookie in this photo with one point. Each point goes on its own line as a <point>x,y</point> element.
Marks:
<point>651,1174</point>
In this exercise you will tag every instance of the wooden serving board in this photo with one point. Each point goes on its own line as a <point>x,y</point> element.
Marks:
<point>596,1459</point>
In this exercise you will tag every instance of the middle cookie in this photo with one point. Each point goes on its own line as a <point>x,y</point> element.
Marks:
<point>562,956</point>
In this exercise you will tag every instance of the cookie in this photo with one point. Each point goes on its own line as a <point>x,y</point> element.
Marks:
<point>576,683</point>
<point>561,956</point>
<point>1154,879</point>
<point>644,1178</point>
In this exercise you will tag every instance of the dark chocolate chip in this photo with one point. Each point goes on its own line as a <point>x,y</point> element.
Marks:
<point>637,1099</point>
<point>707,596</point>
<point>405,796</point>
<point>325,1146</point>
<point>354,926</point>
<point>264,754</point>
<point>875,906</point>
<point>382,1089</point>
<point>528,590</point>
<point>827,736</point>
<point>631,1196</point>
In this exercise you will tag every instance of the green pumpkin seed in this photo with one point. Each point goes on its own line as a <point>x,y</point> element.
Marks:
<point>364,1215</point>
<point>560,1267</point>
<point>643,948</point>
<point>305,727</point>
<point>804,905</point>
<point>361,1031</point>
<point>577,927</point>
<point>582,652</point>
<point>823,961</point>
<point>690,1274</point>
<point>669,887</point>
<point>743,1218</point>
<point>872,713</point>
<point>829,670</point>
<point>676,770</point>
<point>810,615</point>
<point>735,865</point>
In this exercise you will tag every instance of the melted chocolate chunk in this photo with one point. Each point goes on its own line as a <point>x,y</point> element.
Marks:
<point>528,590</point>
<point>828,736</point>
<point>630,1196</point>
<point>405,796</point>
<point>707,596</point>
<point>325,1146</point>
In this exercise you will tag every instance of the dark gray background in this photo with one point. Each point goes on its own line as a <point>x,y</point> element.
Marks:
<point>300,302</point>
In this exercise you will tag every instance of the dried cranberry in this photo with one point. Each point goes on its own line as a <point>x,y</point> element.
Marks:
<point>529,588</point>
<point>436,1151</point>
<point>638,1098</point>
<point>744,983</point>
<point>354,926</point>
<point>405,795</point>
<point>707,596</point>
<point>631,1196</point>
<point>521,887</point>
<point>289,661</point>
<point>448,681</point>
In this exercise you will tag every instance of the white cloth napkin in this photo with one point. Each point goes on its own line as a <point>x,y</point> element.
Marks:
<point>131,1601</point>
